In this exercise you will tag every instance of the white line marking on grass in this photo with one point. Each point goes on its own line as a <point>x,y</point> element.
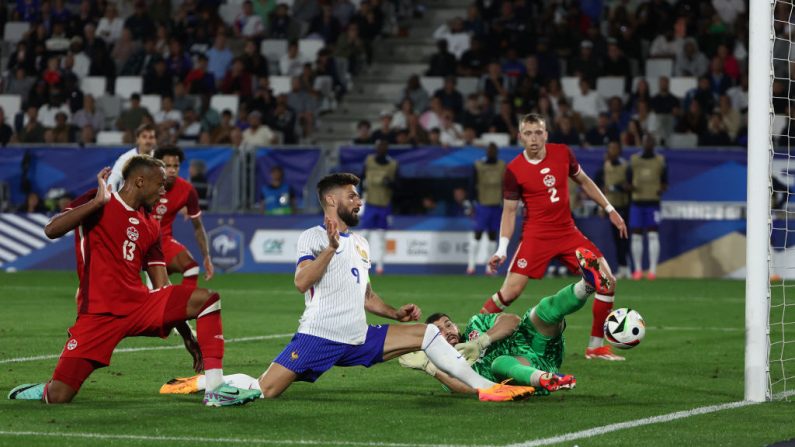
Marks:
<point>196,439</point>
<point>144,348</point>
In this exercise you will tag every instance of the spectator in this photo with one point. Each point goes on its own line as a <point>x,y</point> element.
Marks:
<point>587,103</point>
<point>473,61</point>
<point>325,26</point>
<point>728,10</point>
<point>197,172</point>
<point>585,64</point>
<point>401,117</point>
<point>139,23</point>
<point>693,120</point>
<point>278,198</point>
<point>504,121</point>
<point>641,93</point>
<point>200,80</point>
<point>351,48</point>
<point>666,45</point>
<point>168,119</point>
<point>715,133</point>
<point>474,24</point>
<point>434,138</point>
<point>691,62</point>
<point>457,39</point>
<point>124,49</point>
<point>616,63</point>
<point>304,104</point>
<point>451,133</point>
<point>281,26</point>
<point>62,132</point>
<point>189,129</point>
<point>443,63</point>
<point>6,132</point>
<point>451,98</point>
<point>718,80</point>
<point>110,26</point>
<point>247,24</point>
<point>283,119</point>
<point>730,65</point>
<point>363,136</point>
<point>603,133</point>
<point>647,119</point>
<point>182,101</point>
<point>23,57</point>
<point>665,103</point>
<point>159,81</point>
<point>369,20</point>
<point>416,93</point>
<point>633,136</point>
<point>292,62</point>
<point>19,84</point>
<point>81,62</point>
<point>343,10</point>
<point>32,131</point>
<point>237,80</point>
<point>87,136</point>
<point>432,117</point>
<point>254,62</point>
<point>385,132</point>
<point>416,134</point>
<point>222,134</point>
<point>493,84</point>
<point>178,62</point>
<point>48,111</point>
<point>739,95</point>
<point>142,60</point>
<point>565,133</point>
<point>258,134</point>
<point>33,204</point>
<point>475,115</point>
<point>131,118</point>
<point>264,100</point>
<point>219,57</point>
<point>89,115</point>
<point>729,116</point>
<point>703,94</point>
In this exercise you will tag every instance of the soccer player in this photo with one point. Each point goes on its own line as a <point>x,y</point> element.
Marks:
<point>332,272</point>
<point>613,180</point>
<point>380,174</point>
<point>145,142</point>
<point>648,179</point>
<point>180,194</point>
<point>528,350</point>
<point>119,237</point>
<point>539,177</point>
<point>489,172</point>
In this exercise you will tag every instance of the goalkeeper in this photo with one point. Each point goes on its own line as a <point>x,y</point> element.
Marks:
<point>503,346</point>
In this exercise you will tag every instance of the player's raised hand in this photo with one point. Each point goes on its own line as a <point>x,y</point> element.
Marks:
<point>408,312</point>
<point>209,270</point>
<point>332,232</point>
<point>619,223</point>
<point>103,188</point>
<point>496,261</point>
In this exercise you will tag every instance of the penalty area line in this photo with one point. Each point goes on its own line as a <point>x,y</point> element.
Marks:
<point>144,348</point>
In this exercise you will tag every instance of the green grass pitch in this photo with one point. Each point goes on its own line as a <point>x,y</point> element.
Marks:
<point>692,357</point>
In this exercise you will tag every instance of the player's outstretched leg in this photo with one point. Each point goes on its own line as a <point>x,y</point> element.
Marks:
<point>598,282</point>
<point>520,370</point>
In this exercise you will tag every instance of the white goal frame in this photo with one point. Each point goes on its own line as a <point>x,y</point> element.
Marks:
<point>757,286</point>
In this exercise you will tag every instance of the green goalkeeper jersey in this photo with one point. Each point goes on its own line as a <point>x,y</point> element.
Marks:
<point>544,353</point>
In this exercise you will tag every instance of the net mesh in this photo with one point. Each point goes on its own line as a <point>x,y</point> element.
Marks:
<point>782,130</point>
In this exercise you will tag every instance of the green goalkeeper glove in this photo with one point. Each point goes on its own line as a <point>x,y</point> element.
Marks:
<point>418,360</point>
<point>474,349</point>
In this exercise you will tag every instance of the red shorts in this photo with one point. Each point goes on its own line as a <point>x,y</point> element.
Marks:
<point>171,248</point>
<point>94,337</point>
<point>534,254</point>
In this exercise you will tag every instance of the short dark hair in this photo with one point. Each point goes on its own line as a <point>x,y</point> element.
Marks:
<point>433,318</point>
<point>332,181</point>
<point>139,162</point>
<point>169,150</point>
<point>144,128</point>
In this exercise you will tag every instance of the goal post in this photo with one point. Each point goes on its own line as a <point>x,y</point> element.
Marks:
<point>758,215</point>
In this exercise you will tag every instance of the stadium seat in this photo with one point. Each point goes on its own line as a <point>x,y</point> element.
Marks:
<point>656,67</point>
<point>500,139</point>
<point>609,86</point>
<point>110,137</point>
<point>683,140</point>
<point>11,105</point>
<point>151,103</point>
<point>95,86</point>
<point>681,85</point>
<point>228,12</point>
<point>280,84</point>
<point>127,85</point>
<point>273,49</point>
<point>466,86</point>
<point>654,84</point>
<point>432,83</point>
<point>224,102</point>
<point>14,31</point>
<point>111,107</point>
<point>570,85</point>
<point>309,48</point>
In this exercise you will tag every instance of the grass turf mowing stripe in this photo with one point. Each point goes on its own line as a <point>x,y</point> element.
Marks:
<point>146,348</point>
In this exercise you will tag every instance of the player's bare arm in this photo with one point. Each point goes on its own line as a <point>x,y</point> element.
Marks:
<point>70,219</point>
<point>201,238</point>
<point>309,272</point>
<point>375,305</point>
<point>507,224</point>
<point>594,193</point>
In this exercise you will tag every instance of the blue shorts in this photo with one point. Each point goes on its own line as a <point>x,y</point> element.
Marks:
<point>488,217</point>
<point>644,216</point>
<point>310,356</point>
<point>376,217</point>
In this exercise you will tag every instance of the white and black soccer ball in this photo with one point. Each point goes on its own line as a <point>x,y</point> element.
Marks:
<point>624,328</point>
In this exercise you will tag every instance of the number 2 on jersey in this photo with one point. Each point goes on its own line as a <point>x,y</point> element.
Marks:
<point>128,249</point>
<point>355,273</point>
<point>553,195</point>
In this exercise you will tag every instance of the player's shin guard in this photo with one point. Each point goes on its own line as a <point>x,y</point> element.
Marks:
<point>602,305</point>
<point>509,367</point>
<point>209,333</point>
<point>553,309</point>
<point>446,358</point>
<point>190,276</point>
<point>494,305</point>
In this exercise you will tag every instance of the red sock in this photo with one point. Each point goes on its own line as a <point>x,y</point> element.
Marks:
<point>190,276</point>
<point>602,306</point>
<point>209,333</point>
<point>494,305</point>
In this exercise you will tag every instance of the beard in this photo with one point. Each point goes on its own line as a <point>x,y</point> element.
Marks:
<point>350,218</point>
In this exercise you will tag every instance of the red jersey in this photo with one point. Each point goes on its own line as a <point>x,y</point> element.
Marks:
<point>543,187</point>
<point>113,245</point>
<point>182,194</point>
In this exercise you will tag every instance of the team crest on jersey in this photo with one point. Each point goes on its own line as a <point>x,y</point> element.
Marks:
<point>134,221</point>
<point>362,253</point>
<point>132,234</point>
<point>294,355</point>
<point>549,180</point>
<point>71,345</point>
<point>521,263</point>
<point>161,209</point>
<point>473,335</point>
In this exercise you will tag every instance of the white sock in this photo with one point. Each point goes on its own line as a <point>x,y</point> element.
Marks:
<point>535,377</point>
<point>582,290</point>
<point>243,381</point>
<point>446,358</point>
<point>379,237</point>
<point>201,382</point>
<point>213,378</point>
<point>654,251</point>
<point>595,342</point>
<point>474,248</point>
<point>637,251</point>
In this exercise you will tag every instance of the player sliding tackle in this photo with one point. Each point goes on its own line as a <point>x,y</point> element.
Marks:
<point>529,349</point>
<point>118,237</point>
<point>332,272</point>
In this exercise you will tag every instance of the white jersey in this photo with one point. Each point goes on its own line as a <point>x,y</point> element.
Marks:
<point>116,181</point>
<point>335,304</point>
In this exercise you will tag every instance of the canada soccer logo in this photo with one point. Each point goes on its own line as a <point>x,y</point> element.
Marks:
<point>132,234</point>
<point>161,209</point>
<point>71,345</point>
<point>549,180</point>
<point>521,263</point>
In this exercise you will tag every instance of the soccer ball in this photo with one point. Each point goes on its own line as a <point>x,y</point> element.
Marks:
<point>624,328</point>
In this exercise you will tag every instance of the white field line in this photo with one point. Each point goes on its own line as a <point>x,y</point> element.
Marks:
<point>144,348</point>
